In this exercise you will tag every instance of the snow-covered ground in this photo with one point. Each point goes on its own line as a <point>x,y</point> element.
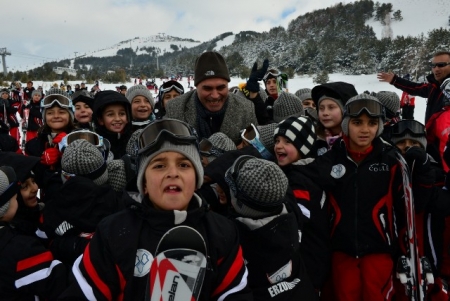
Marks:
<point>361,82</point>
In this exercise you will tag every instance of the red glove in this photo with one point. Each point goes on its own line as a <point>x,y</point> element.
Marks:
<point>58,138</point>
<point>50,156</point>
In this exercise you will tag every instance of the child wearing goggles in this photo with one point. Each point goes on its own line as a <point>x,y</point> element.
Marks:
<point>167,91</point>
<point>169,172</point>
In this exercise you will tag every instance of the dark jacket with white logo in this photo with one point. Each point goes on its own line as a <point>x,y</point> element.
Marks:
<point>111,266</point>
<point>365,198</point>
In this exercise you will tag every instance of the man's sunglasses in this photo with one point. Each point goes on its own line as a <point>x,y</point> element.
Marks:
<point>440,65</point>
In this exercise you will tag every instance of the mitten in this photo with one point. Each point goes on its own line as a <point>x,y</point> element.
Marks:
<point>50,156</point>
<point>58,138</point>
<point>417,156</point>
<point>256,75</point>
<point>446,154</point>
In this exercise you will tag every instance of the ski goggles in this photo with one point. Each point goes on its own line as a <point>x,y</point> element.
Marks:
<point>172,87</point>
<point>251,136</point>
<point>207,149</point>
<point>373,107</point>
<point>176,131</point>
<point>414,127</point>
<point>272,74</point>
<point>440,64</point>
<point>60,100</point>
<point>91,137</point>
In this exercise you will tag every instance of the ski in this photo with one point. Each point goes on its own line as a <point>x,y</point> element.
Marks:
<point>413,271</point>
<point>26,114</point>
<point>178,270</point>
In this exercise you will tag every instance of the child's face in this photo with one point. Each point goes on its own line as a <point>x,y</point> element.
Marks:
<point>5,95</point>
<point>330,115</point>
<point>285,151</point>
<point>309,103</point>
<point>12,209</point>
<point>271,86</point>
<point>361,131</point>
<point>114,118</point>
<point>83,113</point>
<point>404,144</point>
<point>169,95</point>
<point>29,190</point>
<point>57,118</point>
<point>36,97</point>
<point>170,181</point>
<point>140,108</point>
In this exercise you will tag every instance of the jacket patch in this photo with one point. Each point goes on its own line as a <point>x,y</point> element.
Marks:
<point>143,262</point>
<point>338,171</point>
<point>282,287</point>
<point>376,167</point>
<point>282,273</point>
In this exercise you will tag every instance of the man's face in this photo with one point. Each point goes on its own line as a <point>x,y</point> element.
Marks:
<point>213,93</point>
<point>440,73</point>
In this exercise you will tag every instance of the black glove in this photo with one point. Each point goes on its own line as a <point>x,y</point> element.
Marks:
<point>446,154</point>
<point>417,156</point>
<point>256,75</point>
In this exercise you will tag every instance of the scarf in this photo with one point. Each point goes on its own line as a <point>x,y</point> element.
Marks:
<point>208,122</point>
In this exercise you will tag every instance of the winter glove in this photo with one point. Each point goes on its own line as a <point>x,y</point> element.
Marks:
<point>58,138</point>
<point>446,154</point>
<point>417,156</point>
<point>256,75</point>
<point>50,156</point>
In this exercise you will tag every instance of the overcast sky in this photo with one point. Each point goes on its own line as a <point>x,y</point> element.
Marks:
<point>38,31</point>
<point>35,31</point>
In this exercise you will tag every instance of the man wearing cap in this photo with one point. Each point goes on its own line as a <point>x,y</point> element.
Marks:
<point>210,108</point>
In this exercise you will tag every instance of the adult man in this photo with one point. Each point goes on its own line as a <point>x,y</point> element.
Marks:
<point>440,66</point>
<point>210,108</point>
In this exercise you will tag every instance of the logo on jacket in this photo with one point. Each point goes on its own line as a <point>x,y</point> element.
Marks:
<point>282,273</point>
<point>282,287</point>
<point>143,262</point>
<point>376,167</point>
<point>338,171</point>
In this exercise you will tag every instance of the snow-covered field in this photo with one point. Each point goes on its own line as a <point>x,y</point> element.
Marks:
<point>361,82</point>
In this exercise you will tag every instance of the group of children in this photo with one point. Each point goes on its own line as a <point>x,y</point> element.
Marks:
<point>308,207</point>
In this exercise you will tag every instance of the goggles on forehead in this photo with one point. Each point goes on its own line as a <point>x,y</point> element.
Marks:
<point>251,135</point>
<point>60,100</point>
<point>207,149</point>
<point>173,87</point>
<point>414,127</point>
<point>176,131</point>
<point>371,106</point>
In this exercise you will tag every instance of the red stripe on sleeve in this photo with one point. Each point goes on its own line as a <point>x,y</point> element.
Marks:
<point>122,283</point>
<point>104,289</point>
<point>301,194</point>
<point>34,261</point>
<point>232,273</point>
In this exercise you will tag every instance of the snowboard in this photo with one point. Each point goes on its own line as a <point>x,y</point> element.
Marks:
<point>413,271</point>
<point>179,267</point>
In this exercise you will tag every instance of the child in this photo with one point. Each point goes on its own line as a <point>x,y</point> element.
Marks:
<point>363,179</point>
<point>142,105</point>
<point>34,119</point>
<point>168,90</point>
<point>112,120</point>
<point>29,271</point>
<point>169,172</point>
<point>295,140</point>
<point>268,223</point>
<point>83,104</point>
<point>15,106</point>
<point>330,99</point>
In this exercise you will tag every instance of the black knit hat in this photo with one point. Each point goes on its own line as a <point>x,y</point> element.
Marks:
<point>105,98</point>
<point>257,186</point>
<point>8,187</point>
<point>341,91</point>
<point>210,64</point>
<point>300,131</point>
<point>83,96</point>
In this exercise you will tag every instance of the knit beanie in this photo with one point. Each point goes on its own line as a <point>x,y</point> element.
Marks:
<point>300,131</point>
<point>266,135</point>
<point>287,105</point>
<point>82,158</point>
<point>190,151</point>
<point>340,92</point>
<point>346,119</point>
<point>221,141</point>
<point>303,94</point>
<point>107,97</point>
<point>8,187</point>
<point>257,187</point>
<point>391,102</point>
<point>36,92</point>
<point>407,135</point>
<point>56,91</point>
<point>83,96</point>
<point>210,64</point>
<point>140,90</point>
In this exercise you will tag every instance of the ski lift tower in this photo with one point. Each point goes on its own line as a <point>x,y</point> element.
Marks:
<point>4,52</point>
